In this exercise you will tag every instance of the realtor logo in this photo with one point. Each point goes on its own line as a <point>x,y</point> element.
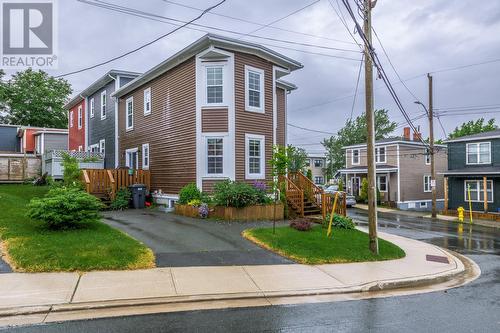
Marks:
<point>28,33</point>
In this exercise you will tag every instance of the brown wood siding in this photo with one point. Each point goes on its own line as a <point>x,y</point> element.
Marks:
<point>170,129</point>
<point>214,120</point>
<point>252,122</point>
<point>281,115</point>
<point>208,184</point>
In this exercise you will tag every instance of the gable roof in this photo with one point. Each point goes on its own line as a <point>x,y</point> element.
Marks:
<point>209,40</point>
<point>98,84</point>
<point>479,136</point>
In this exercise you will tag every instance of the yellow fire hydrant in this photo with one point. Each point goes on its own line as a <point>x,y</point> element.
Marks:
<point>460,212</point>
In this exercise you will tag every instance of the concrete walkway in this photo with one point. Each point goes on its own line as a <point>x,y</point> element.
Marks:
<point>424,214</point>
<point>41,294</point>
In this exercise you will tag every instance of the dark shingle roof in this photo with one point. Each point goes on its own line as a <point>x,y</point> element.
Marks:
<point>478,136</point>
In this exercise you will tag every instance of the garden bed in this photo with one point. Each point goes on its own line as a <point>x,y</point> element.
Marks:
<point>313,247</point>
<point>250,213</point>
<point>32,247</point>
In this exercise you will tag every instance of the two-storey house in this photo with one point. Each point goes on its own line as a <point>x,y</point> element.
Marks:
<point>403,171</point>
<point>210,112</point>
<point>317,164</point>
<point>474,166</point>
<point>93,115</point>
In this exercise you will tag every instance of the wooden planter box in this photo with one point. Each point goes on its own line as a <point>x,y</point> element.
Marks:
<point>251,213</point>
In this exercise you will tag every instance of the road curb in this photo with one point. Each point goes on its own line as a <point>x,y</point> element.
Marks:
<point>464,266</point>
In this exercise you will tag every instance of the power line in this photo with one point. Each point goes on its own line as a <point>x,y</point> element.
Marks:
<point>357,85</point>
<point>143,45</point>
<point>473,107</point>
<point>161,18</point>
<point>260,24</point>
<point>466,66</point>
<point>310,129</point>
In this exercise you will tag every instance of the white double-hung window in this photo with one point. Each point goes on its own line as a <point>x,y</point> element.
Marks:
<point>102,147</point>
<point>103,104</point>
<point>382,183</point>
<point>215,84</point>
<point>145,156</point>
<point>254,89</point>
<point>427,183</point>
<point>215,156</point>
<point>129,120</point>
<point>147,101</point>
<point>478,153</point>
<point>380,156</point>
<point>255,156</point>
<point>477,190</point>
<point>355,156</point>
<point>71,119</point>
<point>92,107</point>
<point>80,117</point>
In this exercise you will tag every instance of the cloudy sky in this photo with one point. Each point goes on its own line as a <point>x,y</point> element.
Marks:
<point>419,37</point>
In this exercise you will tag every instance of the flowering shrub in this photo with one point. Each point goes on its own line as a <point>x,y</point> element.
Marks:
<point>188,193</point>
<point>261,186</point>
<point>203,211</point>
<point>301,225</point>
<point>194,202</point>
<point>238,194</point>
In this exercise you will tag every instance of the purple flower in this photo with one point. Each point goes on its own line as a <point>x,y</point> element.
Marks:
<point>203,211</point>
<point>261,186</point>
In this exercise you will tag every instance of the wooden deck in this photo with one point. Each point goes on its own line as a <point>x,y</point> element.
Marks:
<point>106,182</point>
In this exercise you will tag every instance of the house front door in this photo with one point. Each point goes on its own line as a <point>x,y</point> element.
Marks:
<point>355,183</point>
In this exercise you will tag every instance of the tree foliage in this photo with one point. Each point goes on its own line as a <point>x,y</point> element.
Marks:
<point>34,98</point>
<point>354,132</point>
<point>473,127</point>
<point>297,158</point>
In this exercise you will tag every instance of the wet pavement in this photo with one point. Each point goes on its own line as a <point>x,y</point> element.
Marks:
<point>474,307</point>
<point>179,241</point>
<point>4,267</point>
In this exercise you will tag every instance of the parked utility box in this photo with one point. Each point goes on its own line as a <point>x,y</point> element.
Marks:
<point>138,192</point>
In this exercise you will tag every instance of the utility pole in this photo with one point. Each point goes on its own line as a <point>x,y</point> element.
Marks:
<point>370,124</point>
<point>431,143</point>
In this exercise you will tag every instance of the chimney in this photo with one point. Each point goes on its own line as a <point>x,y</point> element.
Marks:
<point>417,136</point>
<point>406,134</point>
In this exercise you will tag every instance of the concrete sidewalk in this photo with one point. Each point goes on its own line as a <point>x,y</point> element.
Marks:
<point>45,295</point>
<point>485,223</point>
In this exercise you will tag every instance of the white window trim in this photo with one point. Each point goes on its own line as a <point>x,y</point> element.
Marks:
<point>427,154</point>
<point>480,189</point>
<point>127,161</point>
<point>129,127</point>
<point>104,105</point>
<point>101,143</point>
<point>321,163</point>
<point>80,148</point>
<point>144,165</point>
<point>148,91</point>
<point>225,159</point>
<point>377,155</point>
<point>225,79</point>
<point>352,156</point>
<point>322,180</point>
<point>386,183</point>
<point>94,147</point>
<point>71,119</point>
<point>430,187</point>
<point>247,97</point>
<point>478,152</point>
<point>80,117</point>
<point>262,139</point>
<point>92,107</point>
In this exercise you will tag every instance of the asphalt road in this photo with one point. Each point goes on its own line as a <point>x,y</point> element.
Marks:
<point>474,307</point>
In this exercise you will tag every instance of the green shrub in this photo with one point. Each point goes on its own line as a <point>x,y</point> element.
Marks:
<point>309,174</point>
<point>339,221</point>
<point>194,202</point>
<point>122,199</point>
<point>341,185</point>
<point>238,194</point>
<point>72,172</point>
<point>65,207</point>
<point>363,193</point>
<point>188,193</point>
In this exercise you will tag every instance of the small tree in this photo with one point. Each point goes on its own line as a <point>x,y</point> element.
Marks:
<point>72,172</point>
<point>279,164</point>
<point>309,174</point>
<point>363,193</point>
<point>297,158</point>
<point>341,185</point>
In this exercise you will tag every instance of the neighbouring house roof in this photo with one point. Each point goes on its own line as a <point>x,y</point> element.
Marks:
<point>363,169</point>
<point>474,171</point>
<point>316,155</point>
<point>20,131</point>
<point>210,40</point>
<point>51,131</point>
<point>393,140</point>
<point>98,84</point>
<point>480,136</point>
<point>285,85</point>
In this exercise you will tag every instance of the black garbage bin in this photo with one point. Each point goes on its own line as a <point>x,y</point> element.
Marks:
<point>138,192</point>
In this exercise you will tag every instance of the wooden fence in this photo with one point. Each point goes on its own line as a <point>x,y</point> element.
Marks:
<point>102,182</point>
<point>327,200</point>
<point>16,167</point>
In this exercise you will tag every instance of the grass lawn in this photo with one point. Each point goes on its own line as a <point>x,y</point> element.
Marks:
<point>313,247</point>
<point>29,246</point>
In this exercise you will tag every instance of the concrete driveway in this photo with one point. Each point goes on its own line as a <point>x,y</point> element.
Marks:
<point>180,241</point>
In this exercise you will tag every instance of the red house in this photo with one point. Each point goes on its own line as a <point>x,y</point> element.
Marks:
<point>76,124</point>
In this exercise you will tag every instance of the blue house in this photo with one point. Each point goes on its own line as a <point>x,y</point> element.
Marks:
<point>9,141</point>
<point>474,167</point>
